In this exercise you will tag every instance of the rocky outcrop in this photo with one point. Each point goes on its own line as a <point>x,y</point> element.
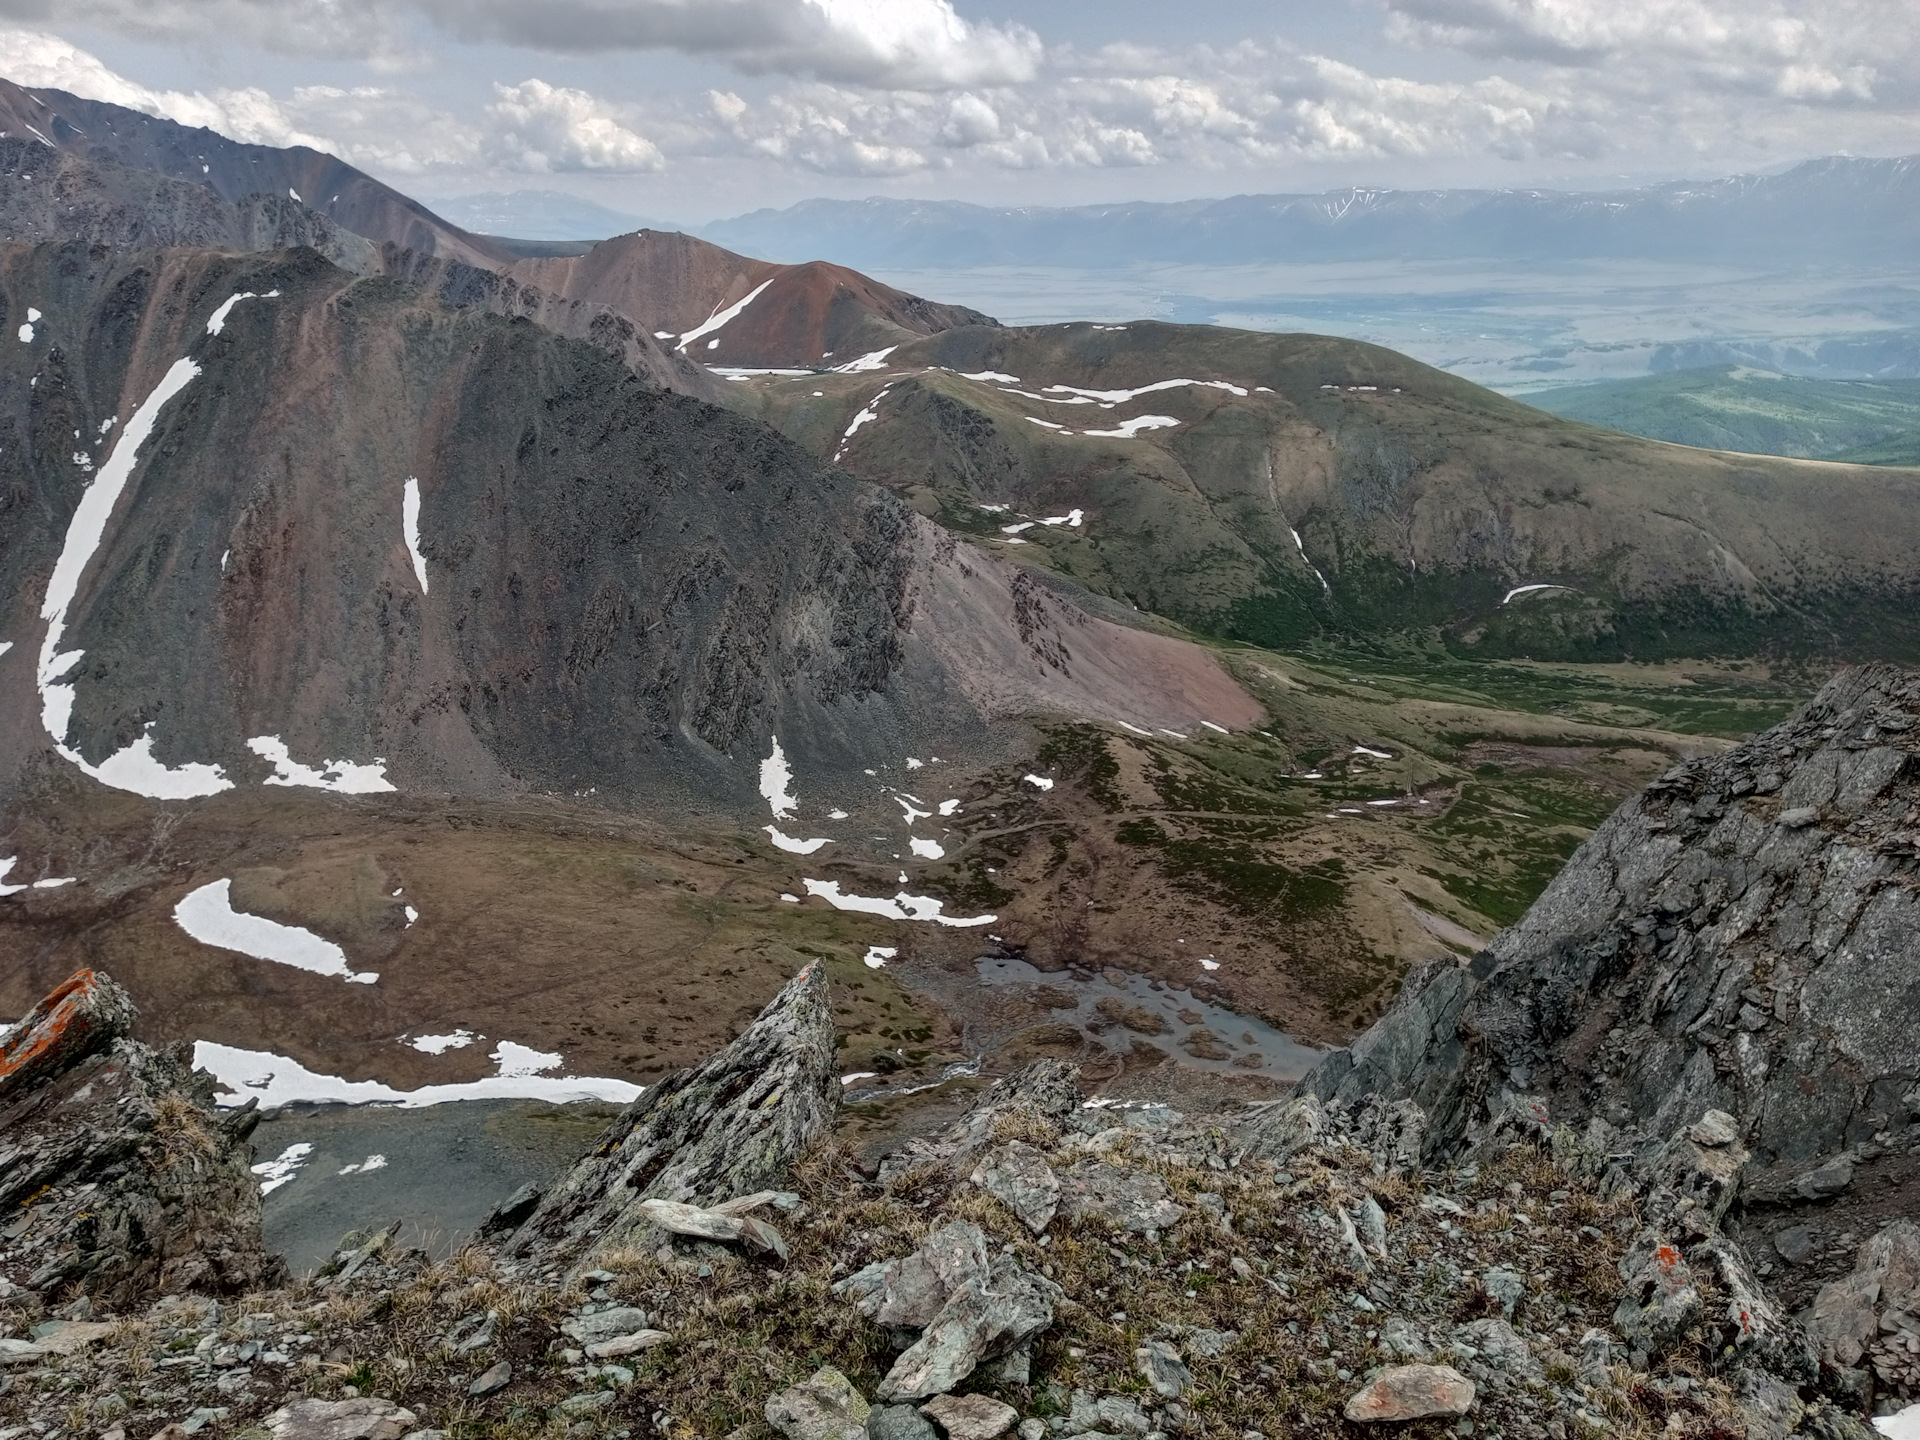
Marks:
<point>124,1180</point>
<point>1743,937</point>
<point>1722,991</point>
<point>710,1135</point>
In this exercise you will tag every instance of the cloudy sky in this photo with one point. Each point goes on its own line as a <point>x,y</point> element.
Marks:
<point>693,109</point>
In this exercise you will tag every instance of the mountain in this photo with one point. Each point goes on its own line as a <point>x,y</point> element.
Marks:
<point>667,285</point>
<point>539,215</point>
<point>1821,211</point>
<point>1286,489</point>
<point>725,309</point>
<point>1764,412</point>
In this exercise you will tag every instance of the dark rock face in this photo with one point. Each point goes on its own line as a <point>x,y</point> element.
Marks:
<point>125,1180</point>
<point>712,1134</point>
<point>1744,937</point>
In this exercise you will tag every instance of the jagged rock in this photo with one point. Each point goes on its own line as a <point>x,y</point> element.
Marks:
<point>1411,1392</point>
<point>971,1417</point>
<point>509,1214</point>
<point>1506,1287</point>
<point>1823,1182</point>
<point>899,1422</point>
<point>137,1185</point>
<point>494,1377</point>
<point>694,1221</point>
<point>1279,1131</point>
<point>1794,1244</point>
<point>361,1419</point>
<point>83,1016</point>
<point>1165,1372</point>
<point>1714,1129</point>
<point>1129,1199</point>
<point>909,1292</point>
<point>1763,1334</point>
<point>1018,1176</point>
<point>823,1407</point>
<point>726,1128</point>
<point>1210,1343</point>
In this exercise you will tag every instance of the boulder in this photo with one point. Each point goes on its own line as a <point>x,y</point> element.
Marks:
<point>605,1325</point>
<point>360,1419</point>
<point>822,1407</point>
<point>621,1346</point>
<point>1411,1392</point>
<point>727,1128</point>
<point>1845,1315</point>
<point>494,1377</point>
<point>971,1417</point>
<point>1047,1091</point>
<point>1018,1176</point>
<point>1659,1301</point>
<point>989,1315</point>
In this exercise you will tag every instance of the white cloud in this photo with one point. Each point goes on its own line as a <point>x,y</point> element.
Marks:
<point>38,60</point>
<point>540,127</point>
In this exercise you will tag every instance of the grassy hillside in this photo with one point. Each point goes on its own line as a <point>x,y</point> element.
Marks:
<point>1297,490</point>
<point>1757,412</point>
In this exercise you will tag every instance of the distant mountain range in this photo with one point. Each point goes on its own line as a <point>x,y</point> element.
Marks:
<point>1755,411</point>
<point>1863,210</point>
<point>541,215</point>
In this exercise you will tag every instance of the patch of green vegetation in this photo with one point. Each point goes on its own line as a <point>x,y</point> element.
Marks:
<point>1079,753</point>
<point>1760,412</point>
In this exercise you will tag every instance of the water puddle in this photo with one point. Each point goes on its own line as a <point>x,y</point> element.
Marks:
<point>1192,1031</point>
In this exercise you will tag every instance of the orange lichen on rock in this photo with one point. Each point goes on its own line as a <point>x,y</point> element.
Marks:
<point>87,1012</point>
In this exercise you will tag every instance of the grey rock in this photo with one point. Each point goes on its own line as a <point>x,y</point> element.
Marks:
<point>621,1346</point>
<point>1164,1371</point>
<point>1210,1343</point>
<point>1127,1198</point>
<point>1502,1349</point>
<point>1505,1287</point>
<point>899,1422</point>
<point>1018,1176</point>
<point>586,1402</point>
<point>359,1419</point>
<point>1795,1244</point>
<point>1033,1430</point>
<point>1120,1415</point>
<point>605,1324</point>
<point>908,1293</point>
<point>823,1407</point>
<point>495,1377</point>
<point>726,1128</point>
<point>1825,1181</point>
<point>1399,1336</point>
<point>1845,1314</point>
<point>971,1417</point>
<point>1597,1357</point>
<point>1714,1129</point>
<point>1047,1090</point>
<point>1800,817</point>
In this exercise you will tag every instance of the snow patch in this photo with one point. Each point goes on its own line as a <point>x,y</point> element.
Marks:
<point>134,768</point>
<point>1130,429</point>
<point>1221,728</point>
<point>217,321</point>
<point>1529,590</point>
<point>775,778</point>
<point>1071,518</point>
<point>793,846</point>
<point>913,764</point>
<point>275,1080</point>
<point>1134,728</point>
<point>876,956</point>
<point>997,377</point>
<point>724,317</point>
<point>1016,529</point>
<point>410,523</point>
<point>1120,397</point>
<point>207,914</point>
<point>1376,754</point>
<point>900,907</point>
<point>6,866</point>
<point>366,1166</point>
<point>873,360</point>
<point>1901,1425</point>
<point>340,775</point>
<point>1039,782</point>
<point>516,1060</point>
<point>278,1171</point>
<point>53,883</point>
<point>948,807</point>
<point>440,1044</point>
<point>926,849</point>
<point>1301,547</point>
<point>26,330</point>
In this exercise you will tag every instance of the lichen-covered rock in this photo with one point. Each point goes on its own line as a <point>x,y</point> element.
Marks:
<point>724,1129</point>
<point>971,1417</point>
<point>356,1419</point>
<point>1047,1091</point>
<point>1129,1199</point>
<point>84,1015</point>
<point>823,1407</point>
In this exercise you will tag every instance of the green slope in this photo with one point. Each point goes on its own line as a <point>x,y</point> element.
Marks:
<point>1298,490</point>
<point>1756,412</point>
